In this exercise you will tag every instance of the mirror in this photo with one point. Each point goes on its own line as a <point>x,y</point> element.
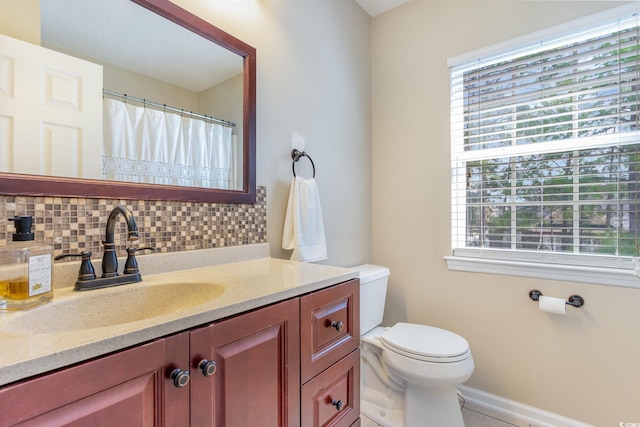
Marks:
<point>203,36</point>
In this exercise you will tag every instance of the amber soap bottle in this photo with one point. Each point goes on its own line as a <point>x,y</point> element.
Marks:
<point>26,269</point>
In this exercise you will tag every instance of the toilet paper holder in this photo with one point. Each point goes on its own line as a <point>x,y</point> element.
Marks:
<point>574,300</point>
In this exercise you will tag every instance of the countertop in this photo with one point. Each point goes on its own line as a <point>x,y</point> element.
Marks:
<point>244,285</point>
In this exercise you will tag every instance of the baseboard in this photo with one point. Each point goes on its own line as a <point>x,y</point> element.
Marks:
<point>514,412</point>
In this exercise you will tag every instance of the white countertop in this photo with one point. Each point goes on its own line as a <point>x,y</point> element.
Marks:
<point>246,284</point>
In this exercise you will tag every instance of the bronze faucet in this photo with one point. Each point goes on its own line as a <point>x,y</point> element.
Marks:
<point>109,258</point>
<point>110,277</point>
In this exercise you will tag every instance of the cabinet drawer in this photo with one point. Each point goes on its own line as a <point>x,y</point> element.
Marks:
<point>332,399</point>
<point>329,327</point>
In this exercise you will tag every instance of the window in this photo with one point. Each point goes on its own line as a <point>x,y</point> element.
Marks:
<point>546,156</point>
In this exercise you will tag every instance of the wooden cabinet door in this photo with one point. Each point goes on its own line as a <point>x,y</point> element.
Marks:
<point>257,376</point>
<point>128,388</point>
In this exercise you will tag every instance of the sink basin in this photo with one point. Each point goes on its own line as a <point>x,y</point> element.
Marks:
<point>112,306</point>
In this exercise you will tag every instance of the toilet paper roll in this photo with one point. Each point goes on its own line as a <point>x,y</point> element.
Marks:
<point>552,305</point>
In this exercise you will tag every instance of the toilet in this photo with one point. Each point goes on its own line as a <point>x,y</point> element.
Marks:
<point>409,372</point>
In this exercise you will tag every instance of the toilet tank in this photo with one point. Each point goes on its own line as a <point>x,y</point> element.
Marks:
<point>373,293</point>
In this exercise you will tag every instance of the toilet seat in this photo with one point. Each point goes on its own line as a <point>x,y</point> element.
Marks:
<point>425,343</point>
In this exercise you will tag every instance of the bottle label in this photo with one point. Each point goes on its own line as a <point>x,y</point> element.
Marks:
<point>39,274</point>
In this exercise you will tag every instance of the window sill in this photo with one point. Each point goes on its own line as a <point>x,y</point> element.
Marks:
<point>537,270</point>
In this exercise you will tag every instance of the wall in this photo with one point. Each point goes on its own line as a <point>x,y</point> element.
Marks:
<point>225,101</point>
<point>584,365</point>
<point>313,65</point>
<point>120,80</point>
<point>21,22</point>
<point>314,76</point>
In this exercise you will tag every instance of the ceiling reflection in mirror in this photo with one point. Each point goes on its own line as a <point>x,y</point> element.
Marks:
<point>173,109</point>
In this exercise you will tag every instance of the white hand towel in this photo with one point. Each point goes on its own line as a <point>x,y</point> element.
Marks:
<point>303,225</point>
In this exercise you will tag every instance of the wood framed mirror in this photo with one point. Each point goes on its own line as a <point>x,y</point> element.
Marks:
<point>40,185</point>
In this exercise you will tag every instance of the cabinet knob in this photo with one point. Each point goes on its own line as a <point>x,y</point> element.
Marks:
<point>339,404</point>
<point>338,325</point>
<point>180,378</point>
<point>208,367</point>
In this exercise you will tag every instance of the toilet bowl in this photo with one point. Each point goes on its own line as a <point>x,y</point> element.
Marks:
<point>409,372</point>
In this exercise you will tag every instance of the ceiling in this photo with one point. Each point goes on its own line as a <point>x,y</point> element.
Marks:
<point>377,7</point>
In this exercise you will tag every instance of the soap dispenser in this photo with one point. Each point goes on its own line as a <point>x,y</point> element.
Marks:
<point>26,269</point>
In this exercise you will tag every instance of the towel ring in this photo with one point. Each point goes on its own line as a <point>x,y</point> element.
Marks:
<point>295,155</point>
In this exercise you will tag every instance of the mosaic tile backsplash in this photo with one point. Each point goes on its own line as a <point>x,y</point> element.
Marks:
<point>74,225</point>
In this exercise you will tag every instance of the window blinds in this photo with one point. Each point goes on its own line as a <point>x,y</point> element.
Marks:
<point>545,149</point>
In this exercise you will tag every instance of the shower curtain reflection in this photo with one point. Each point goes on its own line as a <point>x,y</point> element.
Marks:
<point>151,146</point>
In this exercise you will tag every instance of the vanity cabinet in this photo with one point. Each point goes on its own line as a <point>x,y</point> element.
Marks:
<point>292,363</point>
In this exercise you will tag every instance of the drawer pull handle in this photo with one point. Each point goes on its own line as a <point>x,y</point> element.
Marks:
<point>338,325</point>
<point>339,404</point>
<point>208,367</point>
<point>180,378</point>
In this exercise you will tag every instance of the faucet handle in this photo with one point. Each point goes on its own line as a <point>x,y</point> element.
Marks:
<point>86,267</point>
<point>131,266</point>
